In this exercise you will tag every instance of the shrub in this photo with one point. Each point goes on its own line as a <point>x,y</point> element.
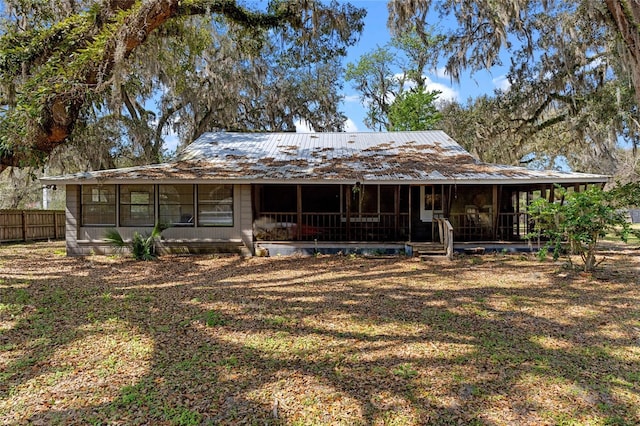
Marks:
<point>578,223</point>
<point>142,246</point>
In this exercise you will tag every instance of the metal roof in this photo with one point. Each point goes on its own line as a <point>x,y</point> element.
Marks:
<point>393,157</point>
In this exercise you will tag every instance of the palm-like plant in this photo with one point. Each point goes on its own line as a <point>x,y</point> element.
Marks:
<point>142,246</point>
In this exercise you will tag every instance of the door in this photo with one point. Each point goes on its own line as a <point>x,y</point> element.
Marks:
<point>426,204</point>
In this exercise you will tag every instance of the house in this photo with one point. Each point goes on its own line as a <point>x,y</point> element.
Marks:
<point>311,191</point>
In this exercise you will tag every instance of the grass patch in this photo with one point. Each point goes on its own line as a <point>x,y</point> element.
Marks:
<point>214,319</point>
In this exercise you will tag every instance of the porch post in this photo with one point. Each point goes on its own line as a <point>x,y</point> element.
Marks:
<point>410,208</point>
<point>299,211</point>
<point>396,216</point>
<point>349,193</point>
<point>495,207</point>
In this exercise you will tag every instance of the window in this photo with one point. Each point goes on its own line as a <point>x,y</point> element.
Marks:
<point>215,205</point>
<point>176,205</point>
<point>98,205</point>
<point>137,205</point>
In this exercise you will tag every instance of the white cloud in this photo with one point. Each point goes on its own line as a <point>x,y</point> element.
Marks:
<point>448,93</point>
<point>170,142</point>
<point>303,126</point>
<point>501,82</point>
<point>442,72</point>
<point>350,125</point>
<point>352,98</point>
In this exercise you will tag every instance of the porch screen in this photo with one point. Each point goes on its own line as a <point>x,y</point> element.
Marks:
<point>364,199</point>
<point>321,198</point>
<point>176,205</point>
<point>279,199</point>
<point>137,205</point>
<point>215,205</point>
<point>98,205</point>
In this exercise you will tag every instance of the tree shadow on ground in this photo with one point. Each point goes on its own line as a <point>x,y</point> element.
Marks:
<point>326,340</point>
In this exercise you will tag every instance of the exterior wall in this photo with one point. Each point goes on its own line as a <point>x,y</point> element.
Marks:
<point>86,240</point>
<point>72,214</point>
<point>245,213</point>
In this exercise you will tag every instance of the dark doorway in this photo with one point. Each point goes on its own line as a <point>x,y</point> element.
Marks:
<point>420,231</point>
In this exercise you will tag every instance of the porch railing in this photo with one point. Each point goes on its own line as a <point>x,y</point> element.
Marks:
<point>487,227</point>
<point>384,227</point>
<point>331,227</point>
<point>445,232</point>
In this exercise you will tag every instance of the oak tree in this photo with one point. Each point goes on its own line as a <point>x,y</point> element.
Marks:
<point>61,60</point>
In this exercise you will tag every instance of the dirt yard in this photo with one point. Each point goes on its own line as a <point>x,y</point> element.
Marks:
<point>484,340</point>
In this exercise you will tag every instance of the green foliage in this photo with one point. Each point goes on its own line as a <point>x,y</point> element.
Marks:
<point>627,195</point>
<point>406,371</point>
<point>391,83</point>
<point>214,319</point>
<point>65,69</point>
<point>374,77</point>
<point>581,220</point>
<point>414,110</point>
<point>141,246</point>
<point>567,92</point>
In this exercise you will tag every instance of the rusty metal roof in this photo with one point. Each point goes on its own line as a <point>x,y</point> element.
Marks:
<point>394,157</point>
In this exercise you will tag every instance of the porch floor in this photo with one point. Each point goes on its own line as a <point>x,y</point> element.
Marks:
<point>310,248</point>
<point>306,248</point>
<point>496,246</point>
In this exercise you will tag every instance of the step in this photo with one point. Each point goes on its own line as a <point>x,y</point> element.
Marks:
<point>426,249</point>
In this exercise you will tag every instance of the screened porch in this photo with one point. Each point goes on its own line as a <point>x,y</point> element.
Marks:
<point>331,212</point>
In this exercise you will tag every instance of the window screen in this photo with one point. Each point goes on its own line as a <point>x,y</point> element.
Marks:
<point>175,203</point>
<point>215,205</point>
<point>98,205</point>
<point>136,205</point>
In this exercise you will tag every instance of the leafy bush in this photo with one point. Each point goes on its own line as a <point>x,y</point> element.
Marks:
<point>142,246</point>
<point>575,225</point>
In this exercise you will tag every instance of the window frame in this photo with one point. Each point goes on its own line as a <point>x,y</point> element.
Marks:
<point>215,204</point>
<point>136,207</point>
<point>89,191</point>
<point>357,214</point>
<point>183,206</point>
<point>431,202</point>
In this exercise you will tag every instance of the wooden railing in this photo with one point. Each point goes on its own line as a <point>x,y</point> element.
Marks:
<point>31,225</point>
<point>331,227</point>
<point>445,233</point>
<point>487,227</point>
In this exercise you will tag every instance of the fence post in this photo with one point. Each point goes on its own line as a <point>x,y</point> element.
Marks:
<point>24,226</point>
<point>55,225</point>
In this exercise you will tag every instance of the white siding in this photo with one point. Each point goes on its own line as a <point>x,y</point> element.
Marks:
<point>84,240</point>
<point>246,215</point>
<point>72,213</point>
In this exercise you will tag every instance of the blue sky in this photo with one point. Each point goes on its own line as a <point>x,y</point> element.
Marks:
<point>376,34</point>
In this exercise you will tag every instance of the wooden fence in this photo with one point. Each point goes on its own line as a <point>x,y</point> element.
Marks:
<point>31,225</point>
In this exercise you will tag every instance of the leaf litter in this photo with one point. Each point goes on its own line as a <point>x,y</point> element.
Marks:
<point>493,339</point>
